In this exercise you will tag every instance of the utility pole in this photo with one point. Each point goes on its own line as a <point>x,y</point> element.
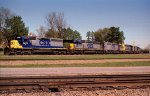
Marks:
<point>133,47</point>
<point>149,48</point>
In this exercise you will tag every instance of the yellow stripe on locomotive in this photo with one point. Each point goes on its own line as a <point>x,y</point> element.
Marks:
<point>15,44</point>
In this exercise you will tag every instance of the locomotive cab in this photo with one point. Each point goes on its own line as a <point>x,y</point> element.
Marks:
<point>24,41</point>
<point>21,45</point>
<point>20,42</point>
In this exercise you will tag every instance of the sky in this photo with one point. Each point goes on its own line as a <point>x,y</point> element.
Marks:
<point>132,16</point>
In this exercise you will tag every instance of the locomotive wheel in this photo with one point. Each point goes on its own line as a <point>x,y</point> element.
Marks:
<point>63,53</point>
<point>12,52</point>
<point>21,52</point>
<point>6,51</point>
<point>29,52</point>
<point>55,53</point>
<point>24,52</point>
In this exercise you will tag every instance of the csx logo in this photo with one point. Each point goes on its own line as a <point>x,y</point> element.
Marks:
<point>90,45</point>
<point>44,42</point>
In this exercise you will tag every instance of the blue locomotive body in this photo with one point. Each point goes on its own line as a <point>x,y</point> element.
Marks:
<point>37,42</point>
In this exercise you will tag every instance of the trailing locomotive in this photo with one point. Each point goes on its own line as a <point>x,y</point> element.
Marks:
<point>31,45</point>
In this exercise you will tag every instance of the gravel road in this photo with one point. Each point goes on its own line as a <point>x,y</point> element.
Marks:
<point>125,92</point>
<point>73,71</point>
<point>22,62</point>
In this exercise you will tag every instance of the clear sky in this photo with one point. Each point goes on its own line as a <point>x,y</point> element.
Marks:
<point>132,16</point>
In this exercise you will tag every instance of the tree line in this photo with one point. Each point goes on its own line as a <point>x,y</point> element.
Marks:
<point>12,26</point>
<point>112,34</point>
<point>57,28</point>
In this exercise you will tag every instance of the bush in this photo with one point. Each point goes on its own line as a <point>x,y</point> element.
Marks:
<point>1,49</point>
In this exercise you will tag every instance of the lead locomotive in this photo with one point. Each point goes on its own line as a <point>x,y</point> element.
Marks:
<point>36,45</point>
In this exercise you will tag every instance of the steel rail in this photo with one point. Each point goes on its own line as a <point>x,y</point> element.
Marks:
<point>16,59</point>
<point>49,83</point>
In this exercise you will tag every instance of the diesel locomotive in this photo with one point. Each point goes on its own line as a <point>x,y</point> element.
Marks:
<point>25,45</point>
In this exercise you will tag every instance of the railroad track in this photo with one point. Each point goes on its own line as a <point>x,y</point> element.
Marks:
<point>13,59</point>
<point>57,83</point>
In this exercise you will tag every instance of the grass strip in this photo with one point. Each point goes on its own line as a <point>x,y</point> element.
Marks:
<point>113,64</point>
<point>75,57</point>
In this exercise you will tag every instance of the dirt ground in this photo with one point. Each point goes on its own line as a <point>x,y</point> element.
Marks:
<point>22,62</point>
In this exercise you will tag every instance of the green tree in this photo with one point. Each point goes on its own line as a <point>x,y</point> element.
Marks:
<point>15,28</point>
<point>51,34</point>
<point>90,36</point>
<point>115,36</point>
<point>76,35</point>
<point>70,34</point>
<point>101,35</point>
<point>67,34</point>
<point>5,14</point>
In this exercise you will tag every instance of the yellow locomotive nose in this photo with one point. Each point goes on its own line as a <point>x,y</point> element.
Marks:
<point>123,47</point>
<point>71,46</point>
<point>15,44</point>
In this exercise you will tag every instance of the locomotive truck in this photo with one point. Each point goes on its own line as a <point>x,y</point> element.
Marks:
<point>25,45</point>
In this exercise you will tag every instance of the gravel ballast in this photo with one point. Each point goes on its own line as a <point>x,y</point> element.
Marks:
<point>125,92</point>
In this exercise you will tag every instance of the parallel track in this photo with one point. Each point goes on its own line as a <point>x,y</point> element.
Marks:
<point>56,83</point>
<point>13,59</point>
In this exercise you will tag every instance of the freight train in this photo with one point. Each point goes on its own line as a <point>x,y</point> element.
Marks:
<point>25,45</point>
